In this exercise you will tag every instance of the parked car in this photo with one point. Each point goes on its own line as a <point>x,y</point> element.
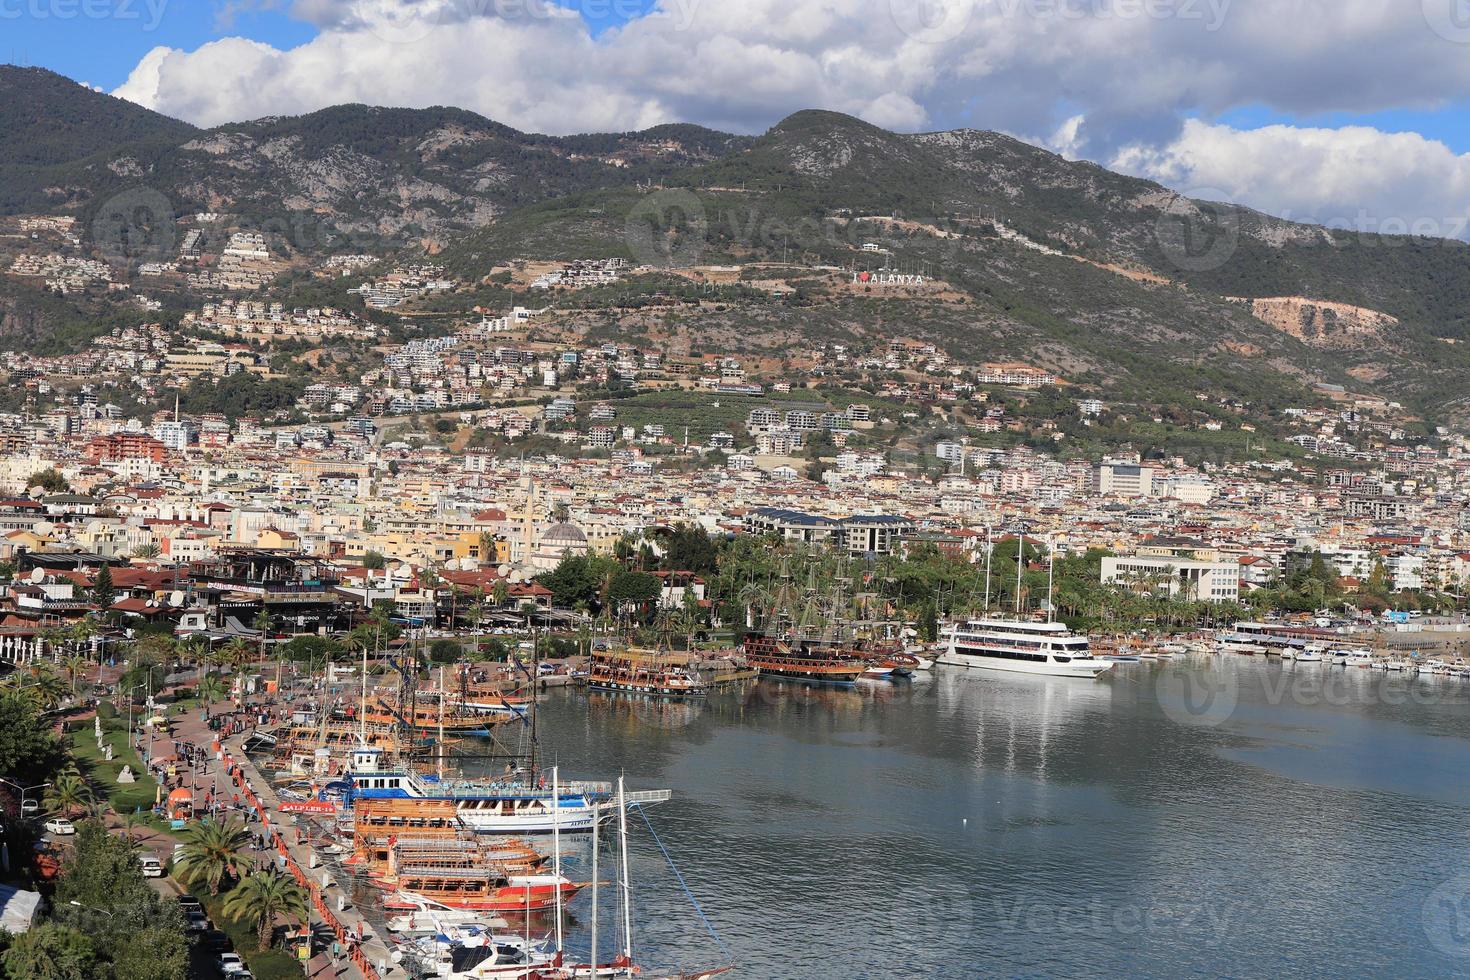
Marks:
<point>152,867</point>
<point>30,808</point>
<point>216,941</point>
<point>188,903</point>
<point>60,825</point>
<point>196,922</point>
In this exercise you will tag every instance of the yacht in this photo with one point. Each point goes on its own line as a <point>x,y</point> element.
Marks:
<point>1022,647</point>
<point>519,803</point>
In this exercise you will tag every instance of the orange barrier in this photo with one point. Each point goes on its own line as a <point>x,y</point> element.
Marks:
<point>343,934</point>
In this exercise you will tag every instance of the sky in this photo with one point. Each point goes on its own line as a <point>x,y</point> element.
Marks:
<point>1351,113</point>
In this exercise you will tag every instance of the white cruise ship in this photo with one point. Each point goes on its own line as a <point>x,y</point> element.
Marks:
<point>1021,647</point>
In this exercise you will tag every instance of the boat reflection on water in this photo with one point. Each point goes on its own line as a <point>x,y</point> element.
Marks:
<point>668,715</point>
<point>1019,720</point>
<point>774,692</point>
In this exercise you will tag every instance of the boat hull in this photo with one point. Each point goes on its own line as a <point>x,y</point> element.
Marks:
<point>980,661</point>
<point>646,690</point>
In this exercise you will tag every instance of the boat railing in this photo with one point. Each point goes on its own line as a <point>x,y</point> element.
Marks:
<point>520,788</point>
<point>645,797</point>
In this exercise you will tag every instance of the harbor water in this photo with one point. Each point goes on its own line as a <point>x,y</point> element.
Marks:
<point>1222,816</point>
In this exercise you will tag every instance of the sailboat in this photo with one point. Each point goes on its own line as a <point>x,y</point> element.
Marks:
<point>623,966</point>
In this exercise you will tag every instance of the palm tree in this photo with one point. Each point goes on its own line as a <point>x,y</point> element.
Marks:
<point>42,684</point>
<point>74,664</point>
<point>69,793</point>
<point>262,623</point>
<point>262,897</point>
<point>212,688</point>
<point>80,633</point>
<point>211,850</point>
<point>130,822</point>
<point>237,653</point>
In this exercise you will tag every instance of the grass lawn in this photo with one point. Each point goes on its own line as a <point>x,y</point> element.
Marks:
<point>125,798</point>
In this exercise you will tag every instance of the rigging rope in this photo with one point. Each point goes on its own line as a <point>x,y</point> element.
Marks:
<point>675,868</point>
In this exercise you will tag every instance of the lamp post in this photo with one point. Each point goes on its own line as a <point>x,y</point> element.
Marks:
<point>130,693</point>
<point>23,790</point>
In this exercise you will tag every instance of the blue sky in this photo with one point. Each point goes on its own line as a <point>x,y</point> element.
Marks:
<point>103,48</point>
<point>1327,110</point>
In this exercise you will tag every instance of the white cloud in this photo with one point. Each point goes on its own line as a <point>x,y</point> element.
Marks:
<point>1355,177</point>
<point>1110,80</point>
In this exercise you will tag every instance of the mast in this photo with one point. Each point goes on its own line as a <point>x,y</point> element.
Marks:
<point>556,850</point>
<point>441,721</point>
<point>592,959</point>
<point>623,874</point>
<point>1020,564</point>
<point>362,707</point>
<point>989,550</point>
<point>1051,569</point>
<point>535,679</point>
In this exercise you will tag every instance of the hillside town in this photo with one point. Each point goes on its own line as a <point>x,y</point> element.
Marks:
<point>325,511</point>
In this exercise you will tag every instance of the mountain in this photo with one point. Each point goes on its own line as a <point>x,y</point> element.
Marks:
<point>1115,282</point>
<point>1104,277</point>
<point>345,177</point>
<point>48,119</point>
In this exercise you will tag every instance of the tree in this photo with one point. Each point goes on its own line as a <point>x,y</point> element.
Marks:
<point>212,688</point>
<point>263,896</point>
<point>689,548</point>
<point>75,665</point>
<point>51,952</point>
<point>49,481</point>
<point>30,752</point>
<point>1378,584</point>
<point>69,793</point>
<point>633,589</point>
<point>211,851</point>
<point>374,560</point>
<point>132,926</point>
<point>147,551</point>
<point>103,593</point>
<point>445,652</point>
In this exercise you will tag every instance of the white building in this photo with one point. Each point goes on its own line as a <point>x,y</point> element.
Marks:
<point>1207,581</point>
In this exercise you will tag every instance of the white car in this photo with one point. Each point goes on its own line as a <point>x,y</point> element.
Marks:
<point>230,965</point>
<point>60,825</point>
<point>29,808</point>
<point>152,867</point>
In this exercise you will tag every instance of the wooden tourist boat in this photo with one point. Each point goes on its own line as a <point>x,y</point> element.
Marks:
<point>807,660</point>
<point>643,672</point>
